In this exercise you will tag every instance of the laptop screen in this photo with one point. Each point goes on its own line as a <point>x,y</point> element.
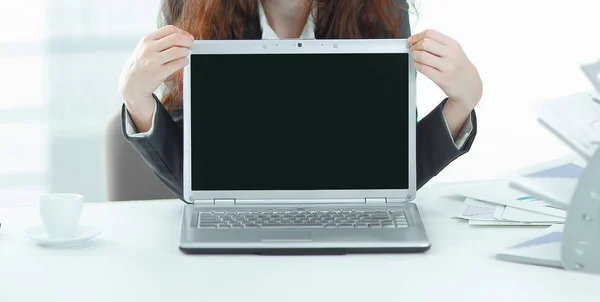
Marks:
<point>299,121</point>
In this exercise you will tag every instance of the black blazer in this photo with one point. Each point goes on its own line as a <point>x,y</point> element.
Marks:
<point>163,149</point>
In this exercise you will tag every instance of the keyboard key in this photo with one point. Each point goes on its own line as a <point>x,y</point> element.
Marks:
<point>379,216</point>
<point>207,226</point>
<point>371,221</point>
<point>285,226</point>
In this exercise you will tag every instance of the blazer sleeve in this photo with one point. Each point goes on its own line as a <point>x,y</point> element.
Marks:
<point>162,149</point>
<point>435,147</point>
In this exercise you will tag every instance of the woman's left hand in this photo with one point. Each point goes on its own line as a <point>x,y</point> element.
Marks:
<point>443,60</point>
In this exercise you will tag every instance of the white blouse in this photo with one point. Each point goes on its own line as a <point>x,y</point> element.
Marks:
<point>308,33</point>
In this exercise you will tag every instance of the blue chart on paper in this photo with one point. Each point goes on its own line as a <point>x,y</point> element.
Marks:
<point>546,239</point>
<point>569,170</point>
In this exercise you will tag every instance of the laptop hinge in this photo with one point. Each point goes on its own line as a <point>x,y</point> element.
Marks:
<point>224,201</point>
<point>376,200</point>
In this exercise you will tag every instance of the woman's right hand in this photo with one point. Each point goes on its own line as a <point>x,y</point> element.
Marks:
<point>157,56</point>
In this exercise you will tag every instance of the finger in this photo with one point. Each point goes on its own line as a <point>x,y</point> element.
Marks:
<point>428,59</point>
<point>173,53</point>
<point>162,32</point>
<point>173,40</point>
<point>173,66</point>
<point>432,34</point>
<point>430,72</point>
<point>431,46</point>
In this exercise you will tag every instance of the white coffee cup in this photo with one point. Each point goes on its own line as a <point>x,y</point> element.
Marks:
<point>60,213</point>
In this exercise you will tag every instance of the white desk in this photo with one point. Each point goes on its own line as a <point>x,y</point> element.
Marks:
<point>137,259</point>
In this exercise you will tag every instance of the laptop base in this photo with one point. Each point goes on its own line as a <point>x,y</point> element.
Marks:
<point>302,251</point>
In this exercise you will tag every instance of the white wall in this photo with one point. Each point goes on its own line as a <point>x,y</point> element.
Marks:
<point>60,61</point>
<point>525,51</point>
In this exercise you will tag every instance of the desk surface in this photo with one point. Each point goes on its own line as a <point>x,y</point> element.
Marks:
<point>137,259</point>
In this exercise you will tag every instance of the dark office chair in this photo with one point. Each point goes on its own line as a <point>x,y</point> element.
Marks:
<point>128,177</point>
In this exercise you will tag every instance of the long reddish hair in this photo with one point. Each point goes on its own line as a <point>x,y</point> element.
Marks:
<point>229,19</point>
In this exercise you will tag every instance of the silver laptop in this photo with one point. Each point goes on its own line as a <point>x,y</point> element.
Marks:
<point>300,147</point>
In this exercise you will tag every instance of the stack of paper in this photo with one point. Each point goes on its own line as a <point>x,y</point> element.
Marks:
<point>486,213</point>
<point>494,202</point>
<point>574,119</point>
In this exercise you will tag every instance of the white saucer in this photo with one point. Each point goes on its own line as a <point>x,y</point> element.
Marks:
<point>83,234</point>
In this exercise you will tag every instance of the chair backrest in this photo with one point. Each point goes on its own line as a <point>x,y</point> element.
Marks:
<point>128,177</point>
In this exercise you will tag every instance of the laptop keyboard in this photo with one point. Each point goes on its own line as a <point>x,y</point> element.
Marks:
<point>301,218</point>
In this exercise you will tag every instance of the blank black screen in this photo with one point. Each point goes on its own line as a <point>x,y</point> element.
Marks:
<point>299,122</point>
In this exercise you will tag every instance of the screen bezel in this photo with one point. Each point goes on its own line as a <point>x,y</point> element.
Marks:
<point>291,47</point>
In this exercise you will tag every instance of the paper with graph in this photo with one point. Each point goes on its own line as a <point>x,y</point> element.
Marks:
<point>555,185</point>
<point>543,249</point>
<point>575,119</point>
<point>481,213</point>
<point>499,192</point>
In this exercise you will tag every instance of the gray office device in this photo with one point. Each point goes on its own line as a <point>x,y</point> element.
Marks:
<point>581,238</point>
<point>300,147</point>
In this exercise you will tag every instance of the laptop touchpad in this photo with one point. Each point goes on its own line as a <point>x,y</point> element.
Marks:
<point>286,236</point>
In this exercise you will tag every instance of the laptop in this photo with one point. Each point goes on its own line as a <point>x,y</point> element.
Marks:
<point>300,147</point>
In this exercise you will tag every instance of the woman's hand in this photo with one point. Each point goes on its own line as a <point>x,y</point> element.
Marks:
<point>157,56</point>
<point>442,60</point>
